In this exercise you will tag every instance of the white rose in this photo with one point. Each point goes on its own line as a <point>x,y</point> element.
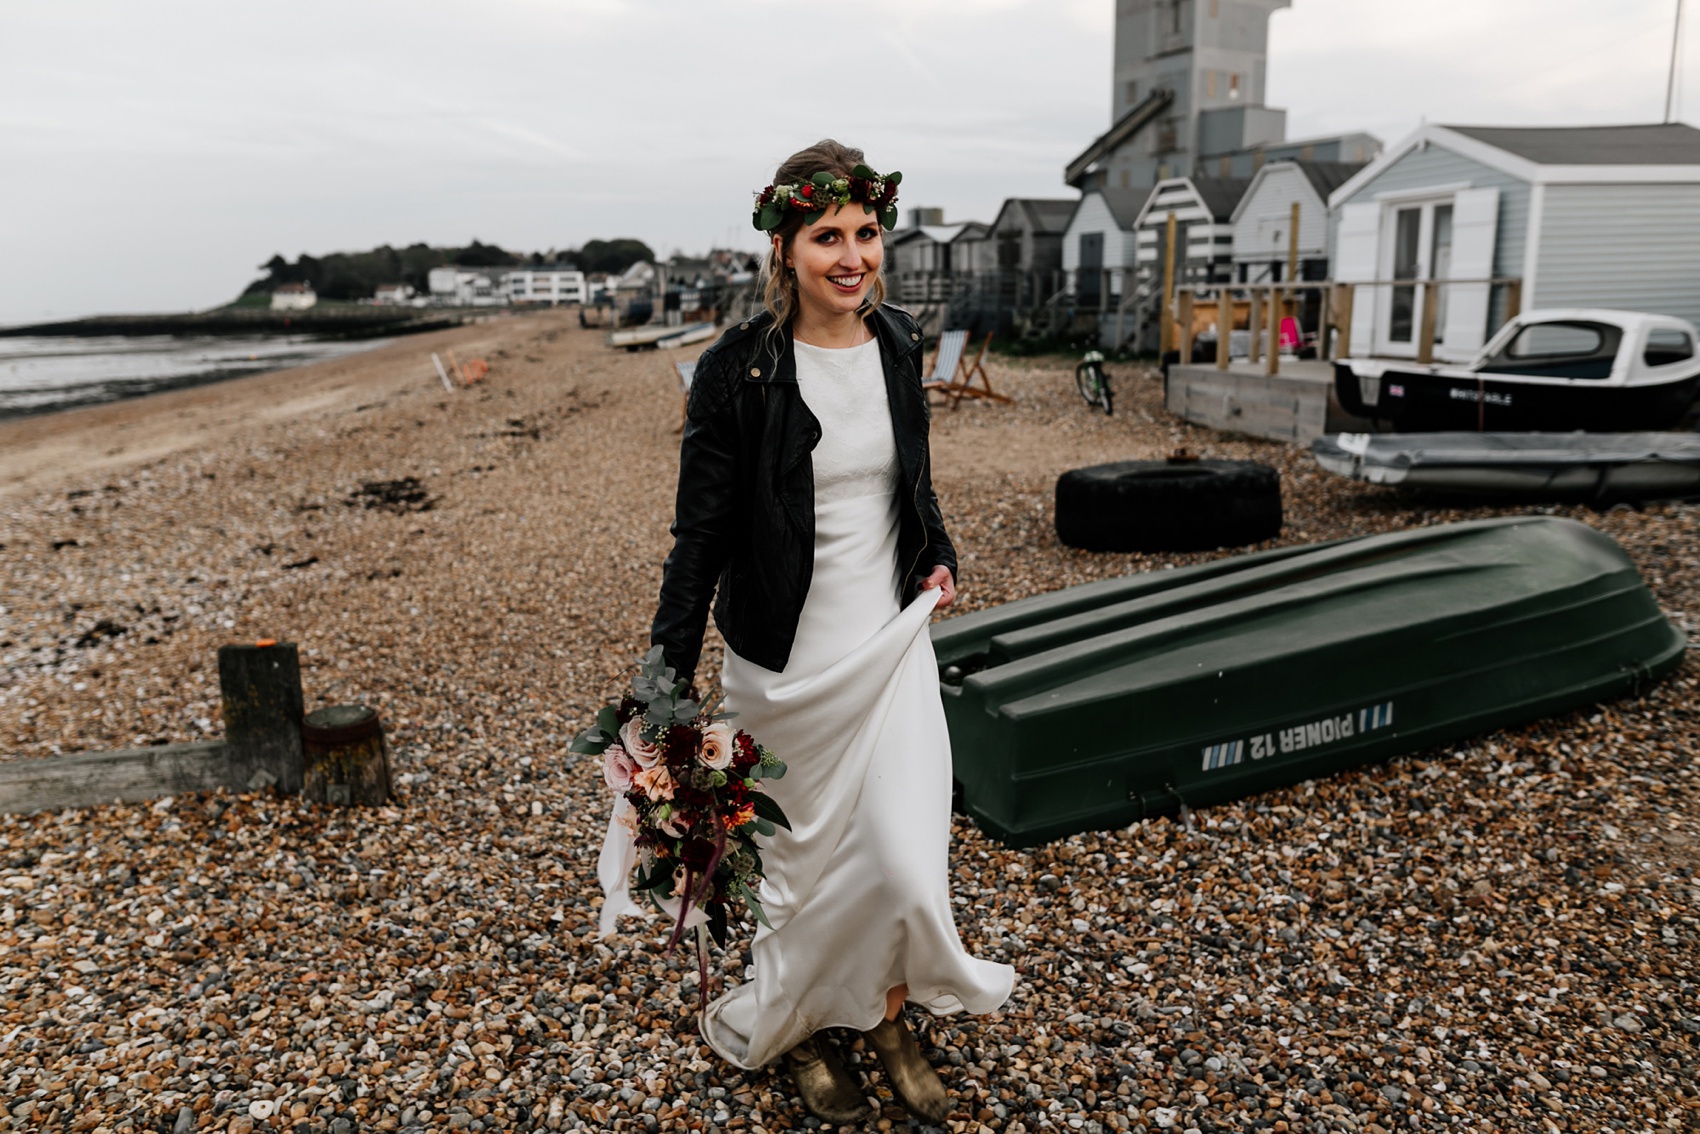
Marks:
<point>717,746</point>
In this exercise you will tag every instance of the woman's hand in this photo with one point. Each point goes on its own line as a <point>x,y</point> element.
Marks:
<point>944,581</point>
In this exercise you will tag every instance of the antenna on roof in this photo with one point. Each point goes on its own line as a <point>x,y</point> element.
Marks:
<point>1675,38</point>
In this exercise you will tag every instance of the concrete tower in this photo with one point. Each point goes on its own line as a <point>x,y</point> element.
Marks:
<point>1187,86</point>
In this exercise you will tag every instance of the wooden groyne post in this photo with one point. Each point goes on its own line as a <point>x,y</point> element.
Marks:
<point>261,689</point>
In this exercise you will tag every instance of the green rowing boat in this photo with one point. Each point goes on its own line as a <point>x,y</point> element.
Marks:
<point>1098,705</point>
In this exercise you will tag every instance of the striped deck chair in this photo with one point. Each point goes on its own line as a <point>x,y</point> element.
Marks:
<point>959,381</point>
<point>687,371</point>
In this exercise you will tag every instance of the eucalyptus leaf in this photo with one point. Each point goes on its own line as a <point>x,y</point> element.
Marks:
<point>755,906</point>
<point>773,771</point>
<point>894,178</point>
<point>863,172</point>
<point>590,742</point>
<point>767,808</point>
<point>812,218</point>
<point>763,827</point>
<point>771,215</point>
<point>822,178</point>
<point>888,217</point>
<point>608,720</point>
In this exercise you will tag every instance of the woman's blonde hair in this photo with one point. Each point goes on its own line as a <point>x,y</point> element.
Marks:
<point>778,284</point>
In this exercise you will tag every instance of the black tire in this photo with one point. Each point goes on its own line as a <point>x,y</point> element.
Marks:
<point>1157,506</point>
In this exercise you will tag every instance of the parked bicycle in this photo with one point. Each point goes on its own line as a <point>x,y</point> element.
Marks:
<point>1093,381</point>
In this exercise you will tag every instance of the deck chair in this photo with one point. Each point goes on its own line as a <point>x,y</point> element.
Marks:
<point>959,381</point>
<point>687,371</point>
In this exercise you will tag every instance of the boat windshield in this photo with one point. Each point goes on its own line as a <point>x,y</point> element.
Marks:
<point>1559,349</point>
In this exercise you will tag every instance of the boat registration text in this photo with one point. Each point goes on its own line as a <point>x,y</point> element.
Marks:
<point>1297,738</point>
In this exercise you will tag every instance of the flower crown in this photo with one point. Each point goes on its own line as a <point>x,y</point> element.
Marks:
<point>812,197</point>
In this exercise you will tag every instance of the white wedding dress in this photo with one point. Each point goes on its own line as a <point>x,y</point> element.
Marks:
<point>858,891</point>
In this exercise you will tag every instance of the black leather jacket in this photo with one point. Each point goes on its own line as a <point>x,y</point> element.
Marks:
<point>744,521</point>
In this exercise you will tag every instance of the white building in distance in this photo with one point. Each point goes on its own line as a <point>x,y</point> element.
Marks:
<point>293,297</point>
<point>546,283</point>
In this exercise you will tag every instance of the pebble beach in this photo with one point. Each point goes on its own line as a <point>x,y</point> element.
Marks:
<point>1503,935</point>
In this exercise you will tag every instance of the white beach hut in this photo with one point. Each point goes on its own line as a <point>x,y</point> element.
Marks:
<point>1263,220</point>
<point>1578,216</point>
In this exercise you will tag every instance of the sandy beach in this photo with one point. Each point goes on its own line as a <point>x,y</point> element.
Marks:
<point>1504,935</point>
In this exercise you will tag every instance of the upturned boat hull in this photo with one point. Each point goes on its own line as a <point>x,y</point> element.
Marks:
<point>1096,706</point>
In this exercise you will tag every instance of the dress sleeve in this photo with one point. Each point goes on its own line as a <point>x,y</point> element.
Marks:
<point>702,523</point>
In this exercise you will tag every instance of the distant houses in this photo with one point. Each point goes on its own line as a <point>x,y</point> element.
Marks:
<point>293,297</point>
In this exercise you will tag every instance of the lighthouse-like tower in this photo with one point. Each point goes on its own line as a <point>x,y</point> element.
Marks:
<point>1187,87</point>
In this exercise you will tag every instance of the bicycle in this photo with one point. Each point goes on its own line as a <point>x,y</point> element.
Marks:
<point>1093,381</point>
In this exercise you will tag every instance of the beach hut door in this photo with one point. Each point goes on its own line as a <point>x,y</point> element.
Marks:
<point>1091,277</point>
<point>1463,312</point>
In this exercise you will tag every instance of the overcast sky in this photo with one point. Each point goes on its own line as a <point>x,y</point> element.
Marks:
<point>152,154</point>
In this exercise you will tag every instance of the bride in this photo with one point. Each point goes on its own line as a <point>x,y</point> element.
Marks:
<point>806,516</point>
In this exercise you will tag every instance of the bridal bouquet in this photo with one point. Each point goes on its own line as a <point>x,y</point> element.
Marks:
<point>688,805</point>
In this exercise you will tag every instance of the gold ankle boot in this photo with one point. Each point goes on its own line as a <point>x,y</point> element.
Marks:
<point>827,1089</point>
<point>913,1079</point>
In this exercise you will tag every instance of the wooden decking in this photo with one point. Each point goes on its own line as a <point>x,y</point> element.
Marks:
<point>1298,404</point>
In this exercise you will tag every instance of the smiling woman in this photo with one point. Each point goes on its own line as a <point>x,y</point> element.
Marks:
<point>806,517</point>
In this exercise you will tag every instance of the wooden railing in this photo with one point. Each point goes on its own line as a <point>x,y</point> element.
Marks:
<point>1268,302</point>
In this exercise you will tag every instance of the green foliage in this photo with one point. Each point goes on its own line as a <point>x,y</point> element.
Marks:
<point>358,275</point>
<point>612,255</point>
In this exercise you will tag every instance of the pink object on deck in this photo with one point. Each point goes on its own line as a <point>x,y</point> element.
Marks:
<point>1289,333</point>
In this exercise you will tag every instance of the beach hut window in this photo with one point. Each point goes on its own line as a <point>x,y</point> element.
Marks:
<point>1210,83</point>
<point>1666,345</point>
<point>1233,86</point>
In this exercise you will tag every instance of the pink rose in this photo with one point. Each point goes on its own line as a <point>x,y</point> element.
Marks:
<point>657,783</point>
<point>646,753</point>
<point>618,768</point>
<point>717,746</point>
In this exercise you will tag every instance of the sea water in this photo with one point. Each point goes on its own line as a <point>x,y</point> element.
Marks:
<point>45,373</point>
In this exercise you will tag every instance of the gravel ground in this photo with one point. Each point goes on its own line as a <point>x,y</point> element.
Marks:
<point>1500,936</point>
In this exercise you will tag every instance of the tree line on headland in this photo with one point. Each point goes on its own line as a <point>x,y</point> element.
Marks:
<point>357,275</point>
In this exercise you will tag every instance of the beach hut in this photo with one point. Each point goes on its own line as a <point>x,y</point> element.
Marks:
<point>1570,216</point>
<point>921,260</point>
<point>1015,266</point>
<point>1098,244</point>
<point>1263,220</point>
<point>1203,208</point>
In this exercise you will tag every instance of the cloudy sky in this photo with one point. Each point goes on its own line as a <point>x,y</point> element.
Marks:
<point>154,153</point>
